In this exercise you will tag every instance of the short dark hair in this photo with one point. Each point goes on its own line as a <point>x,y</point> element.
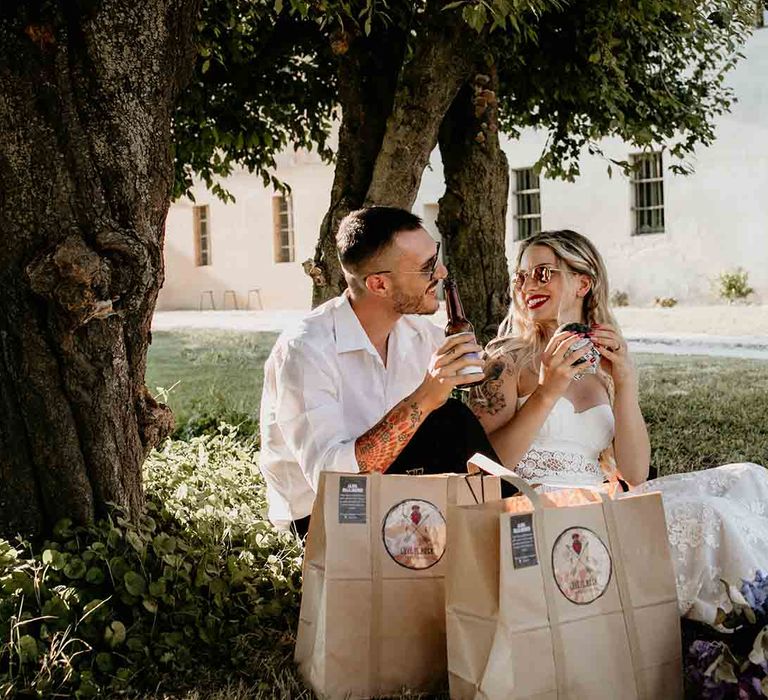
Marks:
<point>365,232</point>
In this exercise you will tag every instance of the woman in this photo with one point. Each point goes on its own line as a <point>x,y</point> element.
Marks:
<point>559,425</point>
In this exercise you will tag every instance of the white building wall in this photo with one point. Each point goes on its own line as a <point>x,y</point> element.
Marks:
<point>715,219</point>
<point>242,254</point>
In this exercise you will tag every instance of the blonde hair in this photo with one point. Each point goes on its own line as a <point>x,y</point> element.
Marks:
<point>519,337</point>
<point>520,341</point>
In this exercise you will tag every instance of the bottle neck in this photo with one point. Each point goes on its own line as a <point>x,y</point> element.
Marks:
<point>453,305</point>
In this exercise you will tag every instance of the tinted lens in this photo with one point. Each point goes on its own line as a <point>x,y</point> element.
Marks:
<point>437,260</point>
<point>542,274</point>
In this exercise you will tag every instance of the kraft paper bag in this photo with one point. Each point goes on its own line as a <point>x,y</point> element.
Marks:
<point>372,619</point>
<point>568,594</point>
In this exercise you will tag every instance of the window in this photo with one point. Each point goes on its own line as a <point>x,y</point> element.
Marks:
<point>527,204</point>
<point>202,237</point>
<point>282,221</point>
<point>761,10</point>
<point>648,193</point>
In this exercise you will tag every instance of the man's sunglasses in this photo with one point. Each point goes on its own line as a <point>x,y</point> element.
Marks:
<point>431,271</point>
<point>541,274</point>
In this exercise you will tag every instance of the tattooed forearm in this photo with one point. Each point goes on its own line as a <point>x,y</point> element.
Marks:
<point>376,449</point>
<point>488,397</point>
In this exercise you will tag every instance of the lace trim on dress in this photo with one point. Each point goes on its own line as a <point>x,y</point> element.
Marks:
<point>554,466</point>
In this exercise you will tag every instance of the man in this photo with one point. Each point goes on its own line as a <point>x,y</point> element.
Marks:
<point>362,384</point>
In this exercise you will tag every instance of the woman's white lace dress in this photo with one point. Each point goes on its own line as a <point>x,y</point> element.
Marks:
<point>717,519</point>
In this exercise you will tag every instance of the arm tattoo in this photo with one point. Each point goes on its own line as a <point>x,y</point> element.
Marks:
<point>376,449</point>
<point>489,397</point>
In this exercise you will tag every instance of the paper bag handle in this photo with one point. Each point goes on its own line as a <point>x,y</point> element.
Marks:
<point>479,462</point>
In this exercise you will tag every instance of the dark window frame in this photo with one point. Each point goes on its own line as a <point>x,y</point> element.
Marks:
<point>527,197</point>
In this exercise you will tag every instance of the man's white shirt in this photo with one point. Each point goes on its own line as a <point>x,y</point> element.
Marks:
<point>324,386</point>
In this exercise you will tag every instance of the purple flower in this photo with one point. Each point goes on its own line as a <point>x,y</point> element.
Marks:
<point>701,655</point>
<point>750,685</point>
<point>756,593</point>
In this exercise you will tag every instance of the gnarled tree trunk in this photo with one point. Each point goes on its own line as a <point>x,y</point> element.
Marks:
<point>86,93</point>
<point>368,70</point>
<point>391,118</point>
<point>473,209</point>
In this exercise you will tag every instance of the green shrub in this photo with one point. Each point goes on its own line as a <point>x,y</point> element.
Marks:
<point>206,417</point>
<point>733,285</point>
<point>201,580</point>
<point>619,298</point>
<point>665,302</point>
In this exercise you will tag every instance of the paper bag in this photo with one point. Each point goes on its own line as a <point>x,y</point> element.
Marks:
<point>568,594</point>
<point>372,618</point>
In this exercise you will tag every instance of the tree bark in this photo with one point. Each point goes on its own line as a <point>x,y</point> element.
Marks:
<point>368,70</point>
<point>440,65</point>
<point>472,212</point>
<point>86,93</point>
<point>392,110</point>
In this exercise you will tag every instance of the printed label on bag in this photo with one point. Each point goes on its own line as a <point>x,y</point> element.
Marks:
<point>352,508</point>
<point>523,541</point>
<point>581,564</point>
<point>413,532</point>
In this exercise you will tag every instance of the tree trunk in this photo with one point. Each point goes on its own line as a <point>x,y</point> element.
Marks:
<point>440,65</point>
<point>368,69</point>
<point>473,209</point>
<point>86,94</point>
<point>391,117</point>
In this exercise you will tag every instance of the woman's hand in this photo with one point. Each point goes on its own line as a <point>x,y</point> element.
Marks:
<point>613,348</point>
<point>557,371</point>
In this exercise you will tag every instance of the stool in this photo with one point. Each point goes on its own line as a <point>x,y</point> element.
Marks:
<point>257,292</point>
<point>233,296</point>
<point>209,292</point>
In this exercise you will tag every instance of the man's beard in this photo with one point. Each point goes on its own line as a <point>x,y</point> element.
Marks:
<point>411,304</point>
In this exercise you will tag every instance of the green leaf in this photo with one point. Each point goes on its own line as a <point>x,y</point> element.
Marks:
<point>55,607</point>
<point>164,544</point>
<point>62,529</point>
<point>104,662</point>
<point>118,567</point>
<point>157,588</point>
<point>115,634</point>
<point>134,539</point>
<point>95,576</point>
<point>135,583</point>
<point>75,568</point>
<point>27,649</point>
<point>54,558</point>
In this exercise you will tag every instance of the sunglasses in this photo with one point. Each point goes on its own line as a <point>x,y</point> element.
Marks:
<point>541,274</point>
<point>431,271</point>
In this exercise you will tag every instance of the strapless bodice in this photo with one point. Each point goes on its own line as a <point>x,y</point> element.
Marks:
<point>566,450</point>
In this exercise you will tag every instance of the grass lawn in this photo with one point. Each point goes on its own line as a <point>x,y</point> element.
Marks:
<point>701,411</point>
<point>208,373</point>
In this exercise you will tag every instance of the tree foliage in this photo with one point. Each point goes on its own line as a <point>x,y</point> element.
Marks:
<point>649,72</point>
<point>264,80</point>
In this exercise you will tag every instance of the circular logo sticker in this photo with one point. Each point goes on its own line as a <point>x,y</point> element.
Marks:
<point>414,533</point>
<point>581,564</point>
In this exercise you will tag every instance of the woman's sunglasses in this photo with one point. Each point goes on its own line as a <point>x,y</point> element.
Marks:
<point>541,274</point>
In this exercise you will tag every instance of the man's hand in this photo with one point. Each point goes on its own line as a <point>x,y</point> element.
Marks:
<point>443,373</point>
<point>376,449</point>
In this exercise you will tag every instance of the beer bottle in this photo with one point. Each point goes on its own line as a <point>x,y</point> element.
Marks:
<point>459,323</point>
